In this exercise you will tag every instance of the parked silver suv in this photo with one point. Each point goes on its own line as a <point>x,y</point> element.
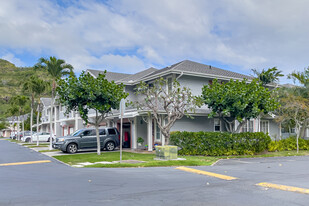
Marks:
<point>86,139</point>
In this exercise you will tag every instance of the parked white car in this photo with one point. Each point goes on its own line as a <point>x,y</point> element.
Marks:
<point>43,137</point>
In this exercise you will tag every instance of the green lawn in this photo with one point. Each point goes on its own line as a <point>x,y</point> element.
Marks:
<point>148,158</point>
<point>271,154</point>
<point>150,162</point>
<point>53,150</point>
<point>34,146</point>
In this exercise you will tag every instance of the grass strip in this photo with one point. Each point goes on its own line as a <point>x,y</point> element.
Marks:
<point>53,150</point>
<point>148,158</point>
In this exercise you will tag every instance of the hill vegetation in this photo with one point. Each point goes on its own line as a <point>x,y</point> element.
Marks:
<point>11,81</point>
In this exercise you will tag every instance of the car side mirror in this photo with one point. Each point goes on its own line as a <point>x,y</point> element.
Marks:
<point>81,136</point>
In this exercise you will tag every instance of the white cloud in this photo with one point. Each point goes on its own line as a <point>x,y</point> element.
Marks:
<point>11,58</point>
<point>130,35</point>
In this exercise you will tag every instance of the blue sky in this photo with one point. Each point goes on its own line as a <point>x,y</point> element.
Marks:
<point>129,36</point>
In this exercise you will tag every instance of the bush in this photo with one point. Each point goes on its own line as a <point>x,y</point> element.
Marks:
<point>215,143</point>
<point>288,144</point>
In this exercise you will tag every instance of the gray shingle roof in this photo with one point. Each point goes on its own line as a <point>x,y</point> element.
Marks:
<point>46,101</point>
<point>194,67</point>
<point>139,75</point>
<point>110,76</point>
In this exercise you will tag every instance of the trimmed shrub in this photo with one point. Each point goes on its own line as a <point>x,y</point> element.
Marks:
<point>220,143</point>
<point>288,144</point>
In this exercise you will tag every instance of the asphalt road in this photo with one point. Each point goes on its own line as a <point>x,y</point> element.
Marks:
<point>55,183</point>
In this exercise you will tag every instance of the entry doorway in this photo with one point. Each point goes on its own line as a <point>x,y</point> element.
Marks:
<point>126,141</point>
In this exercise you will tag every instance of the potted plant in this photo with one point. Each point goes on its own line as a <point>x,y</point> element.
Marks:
<point>140,141</point>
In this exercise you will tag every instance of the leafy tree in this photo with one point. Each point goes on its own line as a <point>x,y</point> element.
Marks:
<point>174,103</point>
<point>20,101</point>
<point>57,68</point>
<point>3,125</point>
<point>294,109</point>
<point>301,77</point>
<point>34,86</point>
<point>86,92</point>
<point>238,100</point>
<point>268,76</point>
<point>13,111</point>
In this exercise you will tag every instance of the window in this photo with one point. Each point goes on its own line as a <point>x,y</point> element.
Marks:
<point>217,125</point>
<point>102,132</point>
<point>89,133</point>
<point>111,131</point>
<point>158,132</point>
<point>264,126</point>
<point>169,84</point>
<point>248,126</point>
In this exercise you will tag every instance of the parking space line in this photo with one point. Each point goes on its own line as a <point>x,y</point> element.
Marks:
<point>25,163</point>
<point>284,187</point>
<point>201,172</point>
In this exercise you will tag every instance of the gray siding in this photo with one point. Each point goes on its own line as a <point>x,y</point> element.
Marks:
<point>194,125</point>
<point>194,83</point>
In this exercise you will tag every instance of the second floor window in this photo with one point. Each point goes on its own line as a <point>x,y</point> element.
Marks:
<point>169,84</point>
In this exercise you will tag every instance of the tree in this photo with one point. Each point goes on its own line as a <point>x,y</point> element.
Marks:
<point>301,77</point>
<point>174,102</point>
<point>33,86</point>
<point>57,68</point>
<point>3,125</point>
<point>20,101</point>
<point>86,92</point>
<point>13,111</point>
<point>294,109</point>
<point>268,76</point>
<point>238,100</point>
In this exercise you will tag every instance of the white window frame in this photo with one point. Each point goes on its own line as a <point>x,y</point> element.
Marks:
<point>155,132</point>
<point>219,125</point>
<point>261,125</point>
<point>167,78</point>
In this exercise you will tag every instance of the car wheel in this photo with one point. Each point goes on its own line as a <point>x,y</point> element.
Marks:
<point>72,148</point>
<point>110,146</point>
<point>28,140</point>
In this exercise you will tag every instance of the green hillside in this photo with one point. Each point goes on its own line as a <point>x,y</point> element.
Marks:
<point>11,81</point>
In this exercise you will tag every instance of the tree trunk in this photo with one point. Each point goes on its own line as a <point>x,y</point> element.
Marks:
<point>98,139</point>
<point>241,124</point>
<point>31,116</point>
<point>31,120</point>
<point>23,126</point>
<point>51,121</point>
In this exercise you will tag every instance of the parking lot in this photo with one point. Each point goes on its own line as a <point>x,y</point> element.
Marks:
<point>31,178</point>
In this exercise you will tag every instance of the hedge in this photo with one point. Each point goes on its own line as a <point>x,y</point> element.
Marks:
<point>288,144</point>
<point>215,143</point>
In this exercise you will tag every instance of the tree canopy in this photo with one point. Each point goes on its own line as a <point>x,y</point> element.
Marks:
<point>86,92</point>
<point>268,76</point>
<point>174,101</point>
<point>238,100</point>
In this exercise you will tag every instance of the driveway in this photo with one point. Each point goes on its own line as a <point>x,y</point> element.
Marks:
<point>54,183</point>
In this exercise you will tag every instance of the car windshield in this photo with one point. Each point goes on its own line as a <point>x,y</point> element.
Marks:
<point>77,133</point>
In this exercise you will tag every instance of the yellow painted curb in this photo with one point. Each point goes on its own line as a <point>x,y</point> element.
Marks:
<point>201,172</point>
<point>284,187</point>
<point>25,163</point>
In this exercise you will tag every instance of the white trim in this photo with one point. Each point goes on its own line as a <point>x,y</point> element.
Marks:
<point>267,125</point>
<point>219,123</point>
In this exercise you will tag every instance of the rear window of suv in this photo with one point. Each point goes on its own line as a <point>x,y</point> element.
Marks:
<point>111,131</point>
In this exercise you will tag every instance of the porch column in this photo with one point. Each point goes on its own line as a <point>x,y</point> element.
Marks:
<point>108,123</point>
<point>133,135</point>
<point>149,133</point>
<point>76,121</point>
